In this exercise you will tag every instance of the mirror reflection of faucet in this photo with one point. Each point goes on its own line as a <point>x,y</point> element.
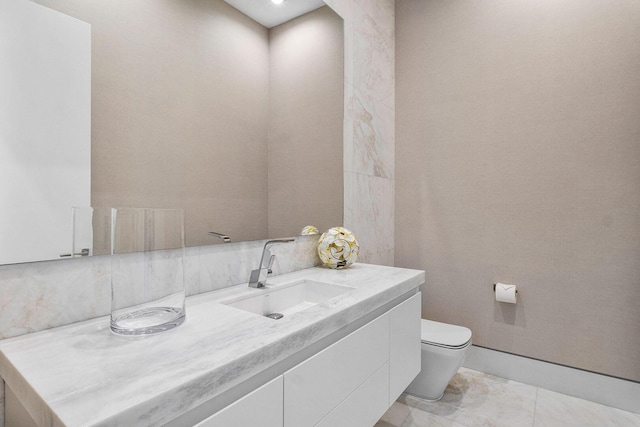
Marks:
<point>223,237</point>
<point>83,252</point>
<point>259,276</point>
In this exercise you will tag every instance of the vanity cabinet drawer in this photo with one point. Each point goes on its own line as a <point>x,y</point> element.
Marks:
<point>365,406</point>
<point>318,385</point>
<point>405,356</point>
<point>262,407</point>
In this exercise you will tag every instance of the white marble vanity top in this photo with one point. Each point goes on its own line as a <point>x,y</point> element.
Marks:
<point>84,375</point>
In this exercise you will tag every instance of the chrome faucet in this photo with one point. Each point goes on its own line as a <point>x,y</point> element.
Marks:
<point>259,276</point>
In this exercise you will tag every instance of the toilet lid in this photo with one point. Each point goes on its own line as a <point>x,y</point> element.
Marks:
<point>444,334</point>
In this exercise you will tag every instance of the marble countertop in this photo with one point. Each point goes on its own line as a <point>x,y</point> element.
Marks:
<point>84,375</point>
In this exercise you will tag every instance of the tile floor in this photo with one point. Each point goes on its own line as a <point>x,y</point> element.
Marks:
<point>477,399</point>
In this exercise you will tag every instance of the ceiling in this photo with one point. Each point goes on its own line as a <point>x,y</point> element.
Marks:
<point>270,15</point>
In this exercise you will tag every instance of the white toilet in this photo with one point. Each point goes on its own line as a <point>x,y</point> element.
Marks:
<point>444,347</point>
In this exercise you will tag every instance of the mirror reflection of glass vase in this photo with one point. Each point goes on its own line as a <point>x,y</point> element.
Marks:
<point>91,232</point>
<point>147,270</point>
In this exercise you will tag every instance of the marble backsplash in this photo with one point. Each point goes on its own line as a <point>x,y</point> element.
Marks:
<point>47,294</point>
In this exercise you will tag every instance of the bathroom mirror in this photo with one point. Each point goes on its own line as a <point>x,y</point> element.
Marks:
<point>196,106</point>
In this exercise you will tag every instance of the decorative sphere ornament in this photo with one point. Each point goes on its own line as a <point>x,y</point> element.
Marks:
<point>338,248</point>
<point>309,230</point>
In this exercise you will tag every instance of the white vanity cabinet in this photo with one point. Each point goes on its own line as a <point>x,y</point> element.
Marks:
<point>262,407</point>
<point>350,383</point>
<point>404,345</point>
<point>318,385</point>
<point>354,381</point>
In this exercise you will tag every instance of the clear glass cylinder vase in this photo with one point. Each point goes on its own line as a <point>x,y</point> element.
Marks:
<point>147,270</point>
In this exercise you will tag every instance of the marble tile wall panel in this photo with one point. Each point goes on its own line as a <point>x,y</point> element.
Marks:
<point>369,132</point>
<point>382,13</point>
<point>374,43</point>
<point>44,295</point>
<point>384,257</point>
<point>371,125</point>
<point>192,269</point>
<point>221,265</point>
<point>367,214</point>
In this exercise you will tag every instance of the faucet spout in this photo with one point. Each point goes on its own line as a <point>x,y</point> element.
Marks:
<point>223,237</point>
<point>258,276</point>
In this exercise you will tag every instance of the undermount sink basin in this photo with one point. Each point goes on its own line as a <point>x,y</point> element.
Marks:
<point>287,299</point>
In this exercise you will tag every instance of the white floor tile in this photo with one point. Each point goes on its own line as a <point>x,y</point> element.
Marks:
<point>475,399</point>
<point>396,415</point>
<point>555,409</point>
<point>419,418</point>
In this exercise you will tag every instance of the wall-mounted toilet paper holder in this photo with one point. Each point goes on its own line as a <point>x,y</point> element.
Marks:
<point>505,293</point>
<point>494,288</point>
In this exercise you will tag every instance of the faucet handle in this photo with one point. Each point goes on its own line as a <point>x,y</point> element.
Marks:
<point>273,257</point>
<point>259,275</point>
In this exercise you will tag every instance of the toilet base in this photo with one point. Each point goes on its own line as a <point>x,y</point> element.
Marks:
<point>439,365</point>
<point>426,399</point>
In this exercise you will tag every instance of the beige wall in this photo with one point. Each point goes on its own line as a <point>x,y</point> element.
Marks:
<point>179,111</point>
<point>518,160</point>
<point>306,60</point>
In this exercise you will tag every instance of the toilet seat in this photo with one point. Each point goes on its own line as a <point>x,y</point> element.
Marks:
<point>444,334</point>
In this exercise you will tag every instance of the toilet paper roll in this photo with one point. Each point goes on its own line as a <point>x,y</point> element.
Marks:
<point>506,293</point>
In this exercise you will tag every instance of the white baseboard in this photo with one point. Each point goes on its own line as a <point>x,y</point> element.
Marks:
<point>610,391</point>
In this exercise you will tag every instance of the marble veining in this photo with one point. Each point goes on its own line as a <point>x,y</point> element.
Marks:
<point>375,228</point>
<point>559,409</point>
<point>371,124</point>
<point>374,50</point>
<point>41,295</point>
<point>382,13</point>
<point>93,377</point>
